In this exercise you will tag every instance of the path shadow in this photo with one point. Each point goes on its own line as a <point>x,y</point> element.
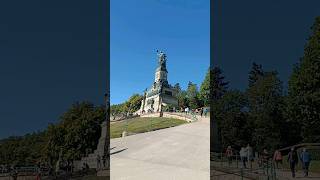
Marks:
<point>119,151</point>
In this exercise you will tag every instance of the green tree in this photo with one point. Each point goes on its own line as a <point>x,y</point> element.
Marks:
<point>204,93</point>
<point>218,87</point>
<point>77,132</point>
<point>265,110</point>
<point>255,73</point>
<point>134,103</point>
<point>192,95</point>
<point>218,84</point>
<point>232,119</point>
<point>304,89</point>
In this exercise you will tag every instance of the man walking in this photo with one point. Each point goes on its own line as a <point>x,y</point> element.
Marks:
<point>305,159</point>
<point>229,155</point>
<point>243,156</point>
<point>249,155</point>
<point>293,161</point>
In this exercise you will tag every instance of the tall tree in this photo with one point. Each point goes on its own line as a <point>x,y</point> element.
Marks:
<point>192,95</point>
<point>255,73</point>
<point>304,88</point>
<point>204,93</point>
<point>134,102</point>
<point>232,119</point>
<point>218,87</point>
<point>218,84</point>
<point>265,113</point>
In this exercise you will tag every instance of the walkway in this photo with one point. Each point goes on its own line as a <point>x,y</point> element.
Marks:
<point>177,153</point>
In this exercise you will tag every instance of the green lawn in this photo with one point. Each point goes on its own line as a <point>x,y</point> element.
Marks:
<point>144,124</point>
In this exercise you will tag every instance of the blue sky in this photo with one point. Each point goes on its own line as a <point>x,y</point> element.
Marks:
<point>270,32</point>
<point>180,28</point>
<point>52,54</point>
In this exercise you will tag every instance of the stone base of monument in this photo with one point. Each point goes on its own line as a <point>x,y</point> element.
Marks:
<point>105,173</point>
<point>91,159</point>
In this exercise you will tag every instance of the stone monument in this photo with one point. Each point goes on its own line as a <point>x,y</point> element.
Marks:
<point>161,93</point>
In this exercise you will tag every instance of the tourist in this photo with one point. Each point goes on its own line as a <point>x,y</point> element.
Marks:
<point>205,112</point>
<point>186,110</point>
<point>229,155</point>
<point>243,156</point>
<point>305,159</point>
<point>201,112</point>
<point>265,158</point>
<point>249,155</point>
<point>293,160</point>
<point>277,158</point>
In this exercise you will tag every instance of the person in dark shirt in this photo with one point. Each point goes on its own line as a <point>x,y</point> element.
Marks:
<point>293,160</point>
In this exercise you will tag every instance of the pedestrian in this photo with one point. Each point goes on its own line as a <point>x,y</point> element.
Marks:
<point>277,158</point>
<point>265,158</point>
<point>243,156</point>
<point>229,155</point>
<point>205,112</point>
<point>293,160</point>
<point>305,159</point>
<point>249,155</point>
<point>201,112</point>
<point>186,110</point>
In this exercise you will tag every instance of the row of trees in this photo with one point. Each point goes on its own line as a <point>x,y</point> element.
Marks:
<point>264,115</point>
<point>130,106</point>
<point>194,97</point>
<point>75,135</point>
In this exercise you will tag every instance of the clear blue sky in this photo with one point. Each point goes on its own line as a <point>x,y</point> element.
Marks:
<point>52,54</point>
<point>138,28</point>
<point>270,32</point>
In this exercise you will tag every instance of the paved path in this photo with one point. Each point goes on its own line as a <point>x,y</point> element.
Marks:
<point>177,153</point>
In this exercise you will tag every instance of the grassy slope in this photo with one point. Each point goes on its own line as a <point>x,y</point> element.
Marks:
<point>140,125</point>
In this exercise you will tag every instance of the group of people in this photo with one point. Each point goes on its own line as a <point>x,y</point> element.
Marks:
<point>202,111</point>
<point>293,159</point>
<point>247,155</point>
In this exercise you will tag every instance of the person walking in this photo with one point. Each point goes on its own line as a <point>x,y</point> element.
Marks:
<point>250,158</point>
<point>229,155</point>
<point>277,158</point>
<point>201,112</point>
<point>305,159</point>
<point>265,159</point>
<point>205,112</point>
<point>243,156</point>
<point>293,161</point>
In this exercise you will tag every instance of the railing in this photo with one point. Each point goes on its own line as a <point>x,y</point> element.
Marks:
<point>236,166</point>
<point>23,171</point>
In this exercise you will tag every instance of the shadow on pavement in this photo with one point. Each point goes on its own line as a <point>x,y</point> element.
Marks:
<point>119,151</point>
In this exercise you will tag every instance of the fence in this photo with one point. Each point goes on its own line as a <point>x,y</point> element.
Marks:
<point>234,165</point>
